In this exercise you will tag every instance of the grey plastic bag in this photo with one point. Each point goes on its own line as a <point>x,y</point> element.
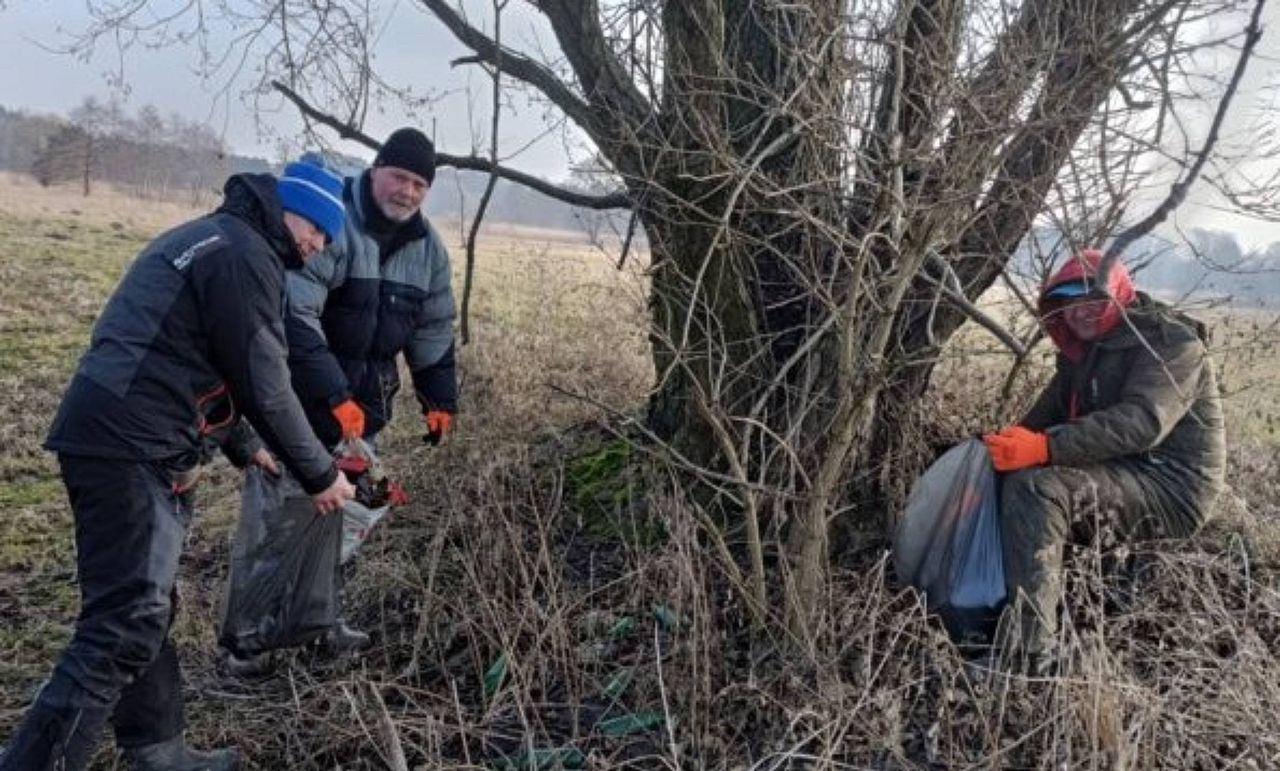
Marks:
<point>948,544</point>
<point>284,559</point>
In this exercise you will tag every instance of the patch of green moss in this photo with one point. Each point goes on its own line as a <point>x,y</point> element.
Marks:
<point>607,493</point>
<point>30,492</point>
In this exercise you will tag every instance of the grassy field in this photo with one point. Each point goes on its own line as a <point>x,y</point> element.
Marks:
<point>534,608</point>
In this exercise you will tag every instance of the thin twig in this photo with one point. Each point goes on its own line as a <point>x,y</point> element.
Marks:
<point>395,750</point>
<point>626,242</point>
<point>955,295</point>
<point>666,704</point>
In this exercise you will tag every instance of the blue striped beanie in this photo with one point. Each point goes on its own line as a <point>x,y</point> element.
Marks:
<point>309,189</point>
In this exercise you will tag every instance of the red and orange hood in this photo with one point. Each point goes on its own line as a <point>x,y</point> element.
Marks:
<point>1084,266</point>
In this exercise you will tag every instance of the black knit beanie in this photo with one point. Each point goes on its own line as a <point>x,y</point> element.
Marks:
<point>409,149</point>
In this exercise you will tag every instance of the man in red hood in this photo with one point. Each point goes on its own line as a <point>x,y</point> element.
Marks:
<point>1130,428</point>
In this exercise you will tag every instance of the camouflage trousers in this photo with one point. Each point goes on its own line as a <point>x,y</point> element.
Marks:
<point>1044,509</point>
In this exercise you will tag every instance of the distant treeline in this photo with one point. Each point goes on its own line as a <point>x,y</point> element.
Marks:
<point>1211,265</point>
<point>456,194</point>
<point>146,153</point>
<point>155,156</point>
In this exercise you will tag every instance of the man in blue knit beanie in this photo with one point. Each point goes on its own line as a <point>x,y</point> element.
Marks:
<point>380,292</point>
<point>309,189</point>
<point>191,341</point>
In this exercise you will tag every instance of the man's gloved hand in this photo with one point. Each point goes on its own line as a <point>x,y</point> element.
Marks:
<point>351,418</point>
<point>439,423</point>
<point>1017,448</point>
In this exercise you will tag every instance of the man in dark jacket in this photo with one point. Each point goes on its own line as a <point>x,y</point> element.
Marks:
<point>191,339</point>
<point>1128,435</point>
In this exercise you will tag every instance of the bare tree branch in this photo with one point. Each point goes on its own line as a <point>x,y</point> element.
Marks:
<point>345,130</point>
<point>496,106</point>
<point>1079,73</point>
<point>516,64</point>
<point>604,79</point>
<point>954,293</point>
<point>614,112</point>
<point>1081,76</point>
<point>1178,192</point>
<point>617,200</point>
<point>632,221</point>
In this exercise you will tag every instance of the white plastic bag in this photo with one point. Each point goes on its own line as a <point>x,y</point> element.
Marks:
<point>375,494</point>
<point>948,543</point>
<point>357,523</point>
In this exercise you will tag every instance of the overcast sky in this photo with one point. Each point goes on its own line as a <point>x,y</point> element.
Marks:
<point>414,48</point>
<point>411,44</point>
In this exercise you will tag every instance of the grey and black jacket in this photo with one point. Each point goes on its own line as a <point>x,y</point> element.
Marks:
<point>192,338</point>
<point>382,289</point>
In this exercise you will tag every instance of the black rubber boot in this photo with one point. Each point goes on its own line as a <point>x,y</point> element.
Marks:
<point>175,755</point>
<point>342,640</point>
<point>52,738</point>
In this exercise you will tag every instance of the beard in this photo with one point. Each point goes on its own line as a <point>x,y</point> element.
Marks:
<point>398,211</point>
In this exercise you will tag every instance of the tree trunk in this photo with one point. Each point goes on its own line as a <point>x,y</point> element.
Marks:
<point>86,166</point>
<point>744,218</point>
<point>744,222</point>
<point>795,322</point>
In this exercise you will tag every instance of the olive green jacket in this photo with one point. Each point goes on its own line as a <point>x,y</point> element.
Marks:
<point>1146,397</point>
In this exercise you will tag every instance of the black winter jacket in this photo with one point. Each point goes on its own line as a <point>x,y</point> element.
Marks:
<point>192,337</point>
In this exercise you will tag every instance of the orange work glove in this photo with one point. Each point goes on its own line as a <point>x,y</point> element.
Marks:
<point>351,418</point>
<point>1017,448</point>
<point>439,423</point>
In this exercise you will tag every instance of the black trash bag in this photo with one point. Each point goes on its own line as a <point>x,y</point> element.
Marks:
<point>948,543</point>
<point>281,592</point>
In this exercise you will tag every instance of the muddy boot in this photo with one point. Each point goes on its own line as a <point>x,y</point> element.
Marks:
<point>342,640</point>
<point>251,665</point>
<point>175,755</point>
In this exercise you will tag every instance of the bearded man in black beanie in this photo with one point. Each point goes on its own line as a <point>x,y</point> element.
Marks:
<point>381,289</point>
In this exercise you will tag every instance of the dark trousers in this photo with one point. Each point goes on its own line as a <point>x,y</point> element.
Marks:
<point>120,665</point>
<point>1043,509</point>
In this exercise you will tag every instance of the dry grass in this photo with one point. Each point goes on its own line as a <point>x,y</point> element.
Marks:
<point>23,199</point>
<point>535,540</point>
